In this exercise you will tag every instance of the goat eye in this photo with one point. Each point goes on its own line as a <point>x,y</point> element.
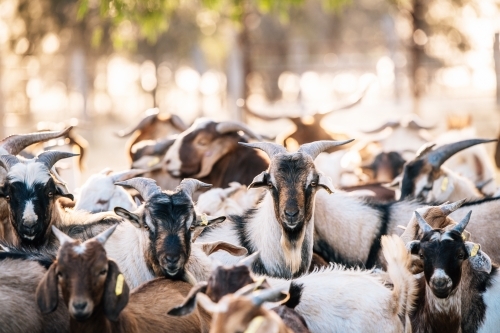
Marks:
<point>7,198</point>
<point>51,194</point>
<point>313,184</point>
<point>460,256</point>
<point>270,185</point>
<point>103,272</point>
<point>146,226</point>
<point>191,228</point>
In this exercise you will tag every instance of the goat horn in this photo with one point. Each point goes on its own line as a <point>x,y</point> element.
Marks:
<point>422,223</point>
<point>438,156</point>
<point>426,147</point>
<point>14,144</point>
<point>267,295</point>
<point>461,226</point>
<point>150,117</point>
<point>127,174</point>
<point>103,236</point>
<point>270,148</point>
<point>61,236</point>
<point>190,185</point>
<point>313,149</point>
<point>8,161</point>
<point>206,303</point>
<point>248,261</point>
<point>145,186</point>
<point>246,290</point>
<point>106,171</point>
<point>234,126</point>
<point>178,122</point>
<point>448,208</point>
<point>49,158</point>
<point>415,123</point>
<point>383,127</point>
<point>57,176</point>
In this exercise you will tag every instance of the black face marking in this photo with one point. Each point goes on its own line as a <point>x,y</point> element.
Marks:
<point>410,172</point>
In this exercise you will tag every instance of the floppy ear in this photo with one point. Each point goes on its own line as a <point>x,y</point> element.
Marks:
<point>259,180</point>
<point>235,250</point>
<point>116,292</point>
<point>203,221</point>
<point>216,150</point>
<point>61,191</point>
<point>326,183</point>
<point>47,292</point>
<point>189,303</point>
<point>133,218</point>
<point>413,247</point>
<point>478,260</point>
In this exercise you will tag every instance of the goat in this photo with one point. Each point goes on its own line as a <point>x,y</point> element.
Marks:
<point>98,298</point>
<point>240,312</point>
<point>100,194</point>
<point>209,151</point>
<point>350,300</point>
<point>385,166</point>
<point>425,177</point>
<point>13,145</point>
<point>153,126</point>
<point>460,289</point>
<point>20,273</point>
<point>281,226</point>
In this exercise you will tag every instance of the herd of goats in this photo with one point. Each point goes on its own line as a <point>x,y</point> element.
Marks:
<point>307,232</point>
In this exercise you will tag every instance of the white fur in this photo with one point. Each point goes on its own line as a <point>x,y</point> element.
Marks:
<point>29,214</point>
<point>29,172</point>
<point>492,300</point>
<point>80,249</point>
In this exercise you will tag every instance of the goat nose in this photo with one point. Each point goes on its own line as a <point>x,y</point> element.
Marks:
<point>440,283</point>
<point>291,212</point>
<point>80,306</point>
<point>171,260</point>
<point>168,161</point>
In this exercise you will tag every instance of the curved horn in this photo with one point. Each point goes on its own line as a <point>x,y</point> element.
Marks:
<point>248,261</point>
<point>103,236</point>
<point>461,226</point>
<point>234,126</point>
<point>8,161</point>
<point>190,185</point>
<point>14,144</point>
<point>438,156</point>
<point>159,147</point>
<point>414,122</point>
<point>261,116</point>
<point>49,158</point>
<point>145,186</point>
<point>127,174</point>
<point>422,223</point>
<point>150,117</point>
<point>448,208</point>
<point>270,148</point>
<point>178,122</point>
<point>267,295</point>
<point>313,149</point>
<point>426,147</point>
<point>61,236</point>
<point>390,123</point>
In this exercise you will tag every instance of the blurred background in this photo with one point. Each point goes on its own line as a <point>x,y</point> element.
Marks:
<point>102,64</point>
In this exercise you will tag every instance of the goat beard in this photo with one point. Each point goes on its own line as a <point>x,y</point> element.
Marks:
<point>293,250</point>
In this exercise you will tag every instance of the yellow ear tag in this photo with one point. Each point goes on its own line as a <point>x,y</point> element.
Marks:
<point>154,161</point>
<point>463,237</point>
<point>204,219</point>
<point>474,250</point>
<point>255,324</point>
<point>444,184</point>
<point>119,284</point>
<point>259,283</point>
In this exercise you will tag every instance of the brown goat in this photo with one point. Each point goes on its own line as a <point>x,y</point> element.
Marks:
<point>96,294</point>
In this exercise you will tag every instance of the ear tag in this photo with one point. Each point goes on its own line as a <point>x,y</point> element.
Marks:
<point>155,160</point>
<point>119,284</point>
<point>259,283</point>
<point>474,250</point>
<point>444,184</point>
<point>204,219</point>
<point>255,324</point>
<point>463,237</point>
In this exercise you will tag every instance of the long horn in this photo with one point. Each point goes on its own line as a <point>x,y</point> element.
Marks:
<point>151,115</point>
<point>190,185</point>
<point>315,148</point>
<point>145,186</point>
<point>438,156</point>
<point>448,208</point>
<point>14,144</point>
<point>261,116</point>
<point>267,295</point>
<point>103,236</point>
<point>426,147</point>
<point>61,236</point>
<point>248,261</point>
<point>415,122</point>
<point>49,158</point>
<point>270,148</point>
<point>461,226</point>
<point>391,123</point>
<point>159,147</point>
<point>8,161</point>
<point>422,223</point>
<point>234,126</point>
<point>127,174</point>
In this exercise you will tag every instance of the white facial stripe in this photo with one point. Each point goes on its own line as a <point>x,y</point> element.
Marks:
<point>435,237</point>
<point>439,274</point>
<point>446,236</point>
<point>309,177</point>
<point>80,249</point>
<point>29,214</point>
<point>29,173</point>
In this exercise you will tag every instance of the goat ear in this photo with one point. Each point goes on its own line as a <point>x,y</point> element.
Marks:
<point>205,220</point>
<point>133,218</point>
<point>326,183</point>
<point>116,292</point>
<point>62,191</point>
<point>259,180</point>
<point>413,247</point>
<point>189,303</point>
<point>235,250</point>
<point>47,292</point>
<point>478,260</point>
